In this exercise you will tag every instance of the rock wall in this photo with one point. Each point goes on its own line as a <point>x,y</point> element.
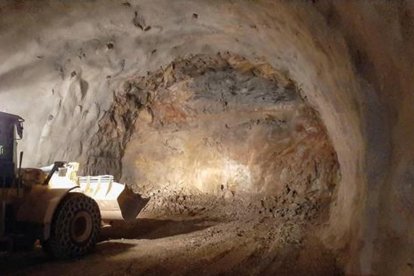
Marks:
<point>218,124</point>
<point>62,63</point>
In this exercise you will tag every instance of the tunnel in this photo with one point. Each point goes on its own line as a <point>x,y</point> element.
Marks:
<point>272,137</point>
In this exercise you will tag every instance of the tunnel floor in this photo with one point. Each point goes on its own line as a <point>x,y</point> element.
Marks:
<point>264,245</point>
<point>239,235</point>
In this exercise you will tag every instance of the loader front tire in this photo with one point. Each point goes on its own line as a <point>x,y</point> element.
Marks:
<point>75,227</point>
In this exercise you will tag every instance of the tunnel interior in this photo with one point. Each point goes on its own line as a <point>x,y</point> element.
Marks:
<point>271,137</point>
<point>218,137</point>
<point>219,126</point>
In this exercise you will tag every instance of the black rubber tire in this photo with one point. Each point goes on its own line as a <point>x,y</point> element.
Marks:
<point>61,244</point>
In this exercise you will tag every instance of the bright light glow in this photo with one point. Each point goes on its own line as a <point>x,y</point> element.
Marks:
<point>225,172</point>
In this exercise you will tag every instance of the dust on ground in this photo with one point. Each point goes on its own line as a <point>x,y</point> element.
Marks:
<point>231,236</point>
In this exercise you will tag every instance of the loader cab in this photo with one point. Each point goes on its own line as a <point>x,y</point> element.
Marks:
<point>11,129</point>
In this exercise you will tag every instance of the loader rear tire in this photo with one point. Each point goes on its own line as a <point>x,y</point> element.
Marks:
<point>75,227</point>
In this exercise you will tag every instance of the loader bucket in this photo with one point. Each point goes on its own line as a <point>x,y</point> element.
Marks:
<point>116,201</point>
<point>131,204</point>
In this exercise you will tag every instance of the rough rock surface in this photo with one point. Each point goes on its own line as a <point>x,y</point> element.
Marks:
<point>217,125</point>
<point>62,63</point>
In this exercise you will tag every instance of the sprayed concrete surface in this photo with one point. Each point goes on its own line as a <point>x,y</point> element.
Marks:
<point>68,67</point>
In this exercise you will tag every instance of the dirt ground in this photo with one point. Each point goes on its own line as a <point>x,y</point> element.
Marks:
<point>274,242</point>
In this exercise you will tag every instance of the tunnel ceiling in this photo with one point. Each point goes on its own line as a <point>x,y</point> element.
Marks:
<point>66,66</point>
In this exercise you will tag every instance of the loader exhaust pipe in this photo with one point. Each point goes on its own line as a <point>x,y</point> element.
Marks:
<point>19,174</point>
<point>56,166</point>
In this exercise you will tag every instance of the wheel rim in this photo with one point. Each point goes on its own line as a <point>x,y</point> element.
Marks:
<point>81,227</point>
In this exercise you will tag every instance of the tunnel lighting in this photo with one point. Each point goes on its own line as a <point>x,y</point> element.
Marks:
<point>225,173</point>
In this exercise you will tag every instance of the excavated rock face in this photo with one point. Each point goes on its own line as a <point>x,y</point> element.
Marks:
<point>215,124</point>
<point>75,73</point>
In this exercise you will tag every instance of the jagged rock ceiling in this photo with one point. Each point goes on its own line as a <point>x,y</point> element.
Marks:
<point>63,64</point>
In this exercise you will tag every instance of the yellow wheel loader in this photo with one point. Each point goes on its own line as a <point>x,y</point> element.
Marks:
<point>53,204</point>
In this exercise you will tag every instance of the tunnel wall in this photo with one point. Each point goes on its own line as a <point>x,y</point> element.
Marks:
<point>62,63</point>
<point>216,124</point>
